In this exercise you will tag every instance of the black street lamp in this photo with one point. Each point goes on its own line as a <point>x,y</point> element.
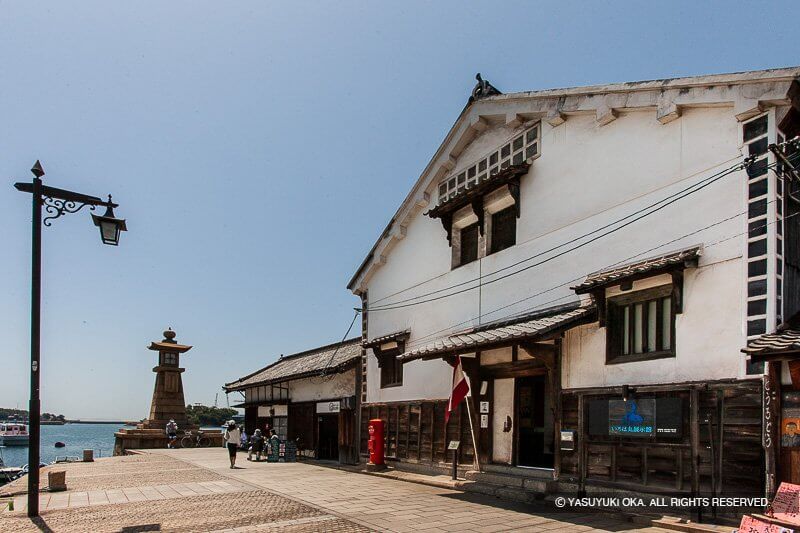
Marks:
<point>56,202</point>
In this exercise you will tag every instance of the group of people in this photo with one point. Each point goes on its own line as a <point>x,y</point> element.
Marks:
<point>235,438</point>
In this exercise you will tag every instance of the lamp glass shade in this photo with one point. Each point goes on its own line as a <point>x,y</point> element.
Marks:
<point>109,232</point>
<point>110,227</point>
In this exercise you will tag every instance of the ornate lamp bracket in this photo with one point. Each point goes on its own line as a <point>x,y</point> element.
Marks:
<point>55,207</point>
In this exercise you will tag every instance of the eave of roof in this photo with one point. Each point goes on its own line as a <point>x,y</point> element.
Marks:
<point>506,333</point>
<point>783,342</point>
<point>396,336</point>
<point>239,384</point>
<point>637,269</point>
<point>463,199</point>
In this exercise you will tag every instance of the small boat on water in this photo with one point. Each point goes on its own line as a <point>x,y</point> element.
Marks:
<point>59,444</point>
<point>14,434</point>
<point>8,473</point>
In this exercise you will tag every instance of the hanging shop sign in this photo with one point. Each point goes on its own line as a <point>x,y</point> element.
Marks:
<point>329,407</point>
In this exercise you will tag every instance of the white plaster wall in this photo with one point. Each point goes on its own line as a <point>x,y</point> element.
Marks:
<point>323,387</point>
<point>708,337</point>
<point>503,407</point>
<point>587,176</point>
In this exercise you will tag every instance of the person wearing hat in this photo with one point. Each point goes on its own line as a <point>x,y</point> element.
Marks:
<point>256,445</point>
<point>172,433</point>
<point>231,437</point>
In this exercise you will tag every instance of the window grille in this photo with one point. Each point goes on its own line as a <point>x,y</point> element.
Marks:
<point>522,147</point>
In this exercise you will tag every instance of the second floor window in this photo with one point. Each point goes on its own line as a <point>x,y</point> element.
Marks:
<point>641,326</point>
<point>469,244</point>
<point>504,229</point>
<point>391,369</point>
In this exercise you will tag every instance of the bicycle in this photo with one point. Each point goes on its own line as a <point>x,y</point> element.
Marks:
<point>198,440</point>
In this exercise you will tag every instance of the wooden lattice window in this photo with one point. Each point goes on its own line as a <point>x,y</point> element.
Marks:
<point>469,244</point>
<point>522,147</point>
<point>641,326</point>
<point>504,229</point>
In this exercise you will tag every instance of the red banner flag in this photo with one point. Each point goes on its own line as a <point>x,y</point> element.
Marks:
<point>459,389</point>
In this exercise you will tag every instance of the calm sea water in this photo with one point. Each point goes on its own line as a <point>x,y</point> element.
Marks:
<point>77,437</point>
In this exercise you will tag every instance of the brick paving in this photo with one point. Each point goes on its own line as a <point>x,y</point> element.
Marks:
<point>241,511</point>
<point>203,494</point>
<point>118,494</point>
<point>399,506</point>
<point>128,471</point>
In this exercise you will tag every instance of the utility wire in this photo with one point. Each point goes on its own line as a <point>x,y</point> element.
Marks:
<point>416,301</point>
<point>424,338</point>
<point>325,368</point>
<point>672,199</point>
<point>556,247</point>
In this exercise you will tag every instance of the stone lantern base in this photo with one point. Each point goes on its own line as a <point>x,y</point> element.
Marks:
<point>148,439</point>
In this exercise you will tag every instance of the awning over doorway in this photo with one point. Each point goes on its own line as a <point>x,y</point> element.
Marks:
<point>531,327</point>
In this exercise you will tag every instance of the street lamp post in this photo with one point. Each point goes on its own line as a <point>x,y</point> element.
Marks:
<point>56,202</point>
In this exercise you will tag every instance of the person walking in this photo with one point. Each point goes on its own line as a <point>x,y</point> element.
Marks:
<point>232,437</point>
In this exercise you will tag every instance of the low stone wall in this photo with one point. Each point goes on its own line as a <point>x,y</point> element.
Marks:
<point>148,439</point>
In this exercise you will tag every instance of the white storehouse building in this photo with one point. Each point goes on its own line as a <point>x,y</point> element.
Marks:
<point>598,257</point>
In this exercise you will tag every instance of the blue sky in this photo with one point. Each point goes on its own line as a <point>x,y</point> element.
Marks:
<point>257,150</point>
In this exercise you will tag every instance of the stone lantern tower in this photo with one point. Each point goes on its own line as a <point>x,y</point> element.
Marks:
<point>168,402</point>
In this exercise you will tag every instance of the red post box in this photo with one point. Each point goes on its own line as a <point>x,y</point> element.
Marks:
<point>376,444</point>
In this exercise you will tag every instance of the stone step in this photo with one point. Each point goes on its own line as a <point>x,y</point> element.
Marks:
<point>515,482</point>
<point>499,491</point>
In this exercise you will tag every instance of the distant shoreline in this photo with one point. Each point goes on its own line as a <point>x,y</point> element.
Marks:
<point>119,422</point>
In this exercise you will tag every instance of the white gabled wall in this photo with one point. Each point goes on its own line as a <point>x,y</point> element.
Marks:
<point>587,176</point>
<point>340,385</point>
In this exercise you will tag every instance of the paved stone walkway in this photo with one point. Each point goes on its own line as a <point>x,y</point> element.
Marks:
<point>126,502</point>
<point>397,506</point>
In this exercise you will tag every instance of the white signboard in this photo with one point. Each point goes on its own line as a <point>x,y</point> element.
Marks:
<point>484,421</point>
<point>454,444</point>
<point>272,410</point>
<point>484,407</point>
<point>329,407</point>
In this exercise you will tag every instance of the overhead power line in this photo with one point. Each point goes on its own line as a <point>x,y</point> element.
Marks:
<point>424,338</point>
<point>687,192</point>
<point>560,245</point>
<point>665,202</point>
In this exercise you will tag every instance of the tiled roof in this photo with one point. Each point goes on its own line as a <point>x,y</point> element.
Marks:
<point>310,362</point>
<point>526,328</point>
<point>785,339</point>
<point>397,335</point>
<point>619,274</point>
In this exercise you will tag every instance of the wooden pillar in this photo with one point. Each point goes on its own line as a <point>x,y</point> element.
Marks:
<point>555,392</point>
<point>582,436</point>
<point>771,425</point>
<point>694,437</point>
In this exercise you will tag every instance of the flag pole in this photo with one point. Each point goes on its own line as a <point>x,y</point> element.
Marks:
<point>472,432</point>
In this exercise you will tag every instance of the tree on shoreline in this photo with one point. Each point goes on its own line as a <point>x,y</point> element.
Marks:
<point>6,413</point>
<point>203,415</point>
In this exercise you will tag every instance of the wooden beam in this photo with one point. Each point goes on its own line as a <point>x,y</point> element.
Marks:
<point>582,436</point>
<point>530,367</point>
<point>677,291</point>
<point>599,297</point>
<point>694,438</point>
<point>419,434</point>
<point>555,394</point>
